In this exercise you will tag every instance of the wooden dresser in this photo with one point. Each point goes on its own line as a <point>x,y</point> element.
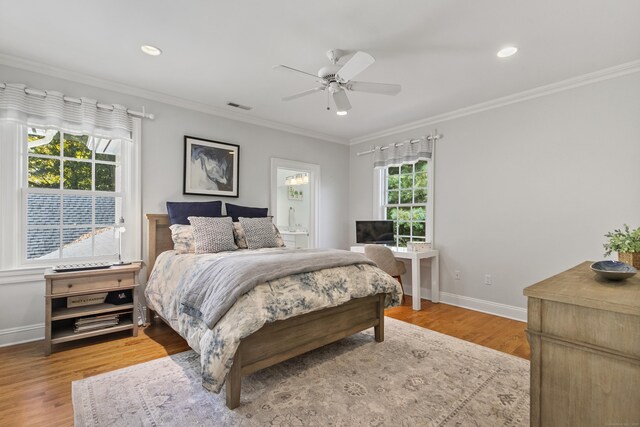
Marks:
<point>584,334</point>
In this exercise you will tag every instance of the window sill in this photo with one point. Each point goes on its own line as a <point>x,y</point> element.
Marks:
<point>22,275</point>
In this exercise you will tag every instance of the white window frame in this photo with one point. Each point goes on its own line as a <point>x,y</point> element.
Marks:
<point>13,199</point>
<point>93,193</point>
<point>380,205</point>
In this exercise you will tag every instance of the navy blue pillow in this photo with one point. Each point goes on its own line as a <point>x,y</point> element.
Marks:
<point>180,211</point>
<point>236,211</point>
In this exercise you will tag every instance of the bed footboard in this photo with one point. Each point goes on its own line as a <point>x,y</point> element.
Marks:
<point>284,339</point>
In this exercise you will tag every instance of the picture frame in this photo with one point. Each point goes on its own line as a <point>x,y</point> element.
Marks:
<point>294,194</point>
<point>211,168</point>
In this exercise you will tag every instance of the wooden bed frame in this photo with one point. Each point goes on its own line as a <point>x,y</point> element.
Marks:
<point>278,341</point>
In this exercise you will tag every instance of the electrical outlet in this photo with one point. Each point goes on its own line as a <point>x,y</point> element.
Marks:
<point>487,279</point>
<point>457,274</point>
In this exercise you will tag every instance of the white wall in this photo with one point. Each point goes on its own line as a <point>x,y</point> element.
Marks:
<point>22,304</point>
<point>522,192</point>
<point>527,190</point>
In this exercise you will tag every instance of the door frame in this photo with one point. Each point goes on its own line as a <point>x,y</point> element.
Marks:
<point>314,193</point>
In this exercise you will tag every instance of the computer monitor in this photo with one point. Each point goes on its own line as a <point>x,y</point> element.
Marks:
<point>376,232</point>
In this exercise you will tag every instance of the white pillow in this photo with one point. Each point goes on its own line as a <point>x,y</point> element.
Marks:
<point>182,236</point>
<point>279,239</point>
<point>238,235</point>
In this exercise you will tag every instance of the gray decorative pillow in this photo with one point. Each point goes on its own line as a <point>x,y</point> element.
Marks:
<point>259,232</point>
<point>212,235</point>
<point>241,240</point>
<point>182,236</point>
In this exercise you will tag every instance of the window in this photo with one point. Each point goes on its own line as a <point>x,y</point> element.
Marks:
<point>405,201</point>
<point>73,195</point>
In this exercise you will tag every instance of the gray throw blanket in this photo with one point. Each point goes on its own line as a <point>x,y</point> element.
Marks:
<point>221,283</point>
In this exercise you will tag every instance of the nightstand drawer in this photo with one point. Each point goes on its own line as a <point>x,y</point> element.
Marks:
<point>63,286</point>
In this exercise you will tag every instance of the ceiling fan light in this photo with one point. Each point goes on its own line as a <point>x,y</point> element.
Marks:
<point>341,113</point>
<point>507,51</point>
<point>150,50</point>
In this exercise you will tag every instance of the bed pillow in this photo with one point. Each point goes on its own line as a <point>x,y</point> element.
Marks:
<point>241,240</point>
<point>237,211</point>
<point>182,236</point>
<point>238,235</point>
<point>259,232</point>
<point>180,211</point>
<point>212,235</point>
<point>279,239</point>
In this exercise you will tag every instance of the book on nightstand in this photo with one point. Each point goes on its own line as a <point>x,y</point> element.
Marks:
<point>92,323</point>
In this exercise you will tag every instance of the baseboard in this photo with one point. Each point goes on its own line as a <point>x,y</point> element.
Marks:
<point>22,334</point>
<point>483,306</point>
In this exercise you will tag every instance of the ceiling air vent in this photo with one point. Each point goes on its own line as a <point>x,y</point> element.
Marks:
<point>243,107</point>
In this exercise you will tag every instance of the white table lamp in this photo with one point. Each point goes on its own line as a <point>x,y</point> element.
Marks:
<point>120,229</point>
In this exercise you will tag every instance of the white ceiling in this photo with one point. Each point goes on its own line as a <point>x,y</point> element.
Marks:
<point>441,52</point>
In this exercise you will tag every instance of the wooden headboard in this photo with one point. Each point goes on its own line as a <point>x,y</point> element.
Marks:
<point>159,238</point>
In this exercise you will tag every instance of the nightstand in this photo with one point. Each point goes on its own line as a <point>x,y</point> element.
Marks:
<point>60,320</point>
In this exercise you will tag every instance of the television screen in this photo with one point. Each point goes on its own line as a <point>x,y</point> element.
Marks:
<point>380,232</point>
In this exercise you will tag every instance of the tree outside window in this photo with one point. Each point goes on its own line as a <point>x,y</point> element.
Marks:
<point>405,201</point>
<point>72,194</point>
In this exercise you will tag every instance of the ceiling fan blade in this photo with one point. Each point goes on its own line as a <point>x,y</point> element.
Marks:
<point>341,100</point>
<point>301,94</point>
<point>298,72</point>
<point>357,64</point>
<point>381,88</point>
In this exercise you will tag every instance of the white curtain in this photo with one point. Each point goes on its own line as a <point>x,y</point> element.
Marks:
<point>396,154</point>
<point>50,110</point>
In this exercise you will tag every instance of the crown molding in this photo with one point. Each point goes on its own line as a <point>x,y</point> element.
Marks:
<point>40,68</point>
<point>582,80</point>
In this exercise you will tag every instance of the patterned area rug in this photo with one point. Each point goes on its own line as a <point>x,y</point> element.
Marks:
<point>416,377</point>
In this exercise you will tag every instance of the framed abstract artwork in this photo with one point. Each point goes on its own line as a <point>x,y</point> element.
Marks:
<point>211,168</point>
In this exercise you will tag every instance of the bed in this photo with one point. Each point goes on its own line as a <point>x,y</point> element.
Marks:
<point>227,352</point>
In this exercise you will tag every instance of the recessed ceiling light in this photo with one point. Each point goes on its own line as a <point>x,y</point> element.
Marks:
<point>150,50</point>
<point>341,113</point>
<point>507,51</point>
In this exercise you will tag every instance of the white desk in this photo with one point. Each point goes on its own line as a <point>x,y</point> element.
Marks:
<point>432,255</point>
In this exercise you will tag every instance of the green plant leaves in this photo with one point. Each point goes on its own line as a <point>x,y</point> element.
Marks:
<point>627,241</point>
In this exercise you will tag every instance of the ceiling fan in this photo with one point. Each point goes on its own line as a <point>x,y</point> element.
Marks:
<point>337,79</point>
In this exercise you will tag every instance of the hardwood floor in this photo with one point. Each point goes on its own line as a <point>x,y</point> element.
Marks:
<point>35,390</point>
<point>498,333</point>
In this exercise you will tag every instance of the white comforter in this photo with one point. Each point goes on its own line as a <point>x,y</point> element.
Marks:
<point>267,302</point>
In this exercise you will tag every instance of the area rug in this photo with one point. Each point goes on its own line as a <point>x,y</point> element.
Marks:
<point>416,377</point>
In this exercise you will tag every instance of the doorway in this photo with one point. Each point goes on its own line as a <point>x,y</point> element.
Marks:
<point>294,201</point>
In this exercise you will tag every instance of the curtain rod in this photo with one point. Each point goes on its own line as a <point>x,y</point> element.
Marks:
<point>43,93</point>
<point>433,137</point>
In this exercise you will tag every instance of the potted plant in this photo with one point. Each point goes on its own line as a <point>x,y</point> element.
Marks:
<point>627,243</point>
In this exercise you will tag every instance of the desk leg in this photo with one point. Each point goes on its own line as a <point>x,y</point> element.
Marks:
<point>435,279</point>
<point>415,283</point>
